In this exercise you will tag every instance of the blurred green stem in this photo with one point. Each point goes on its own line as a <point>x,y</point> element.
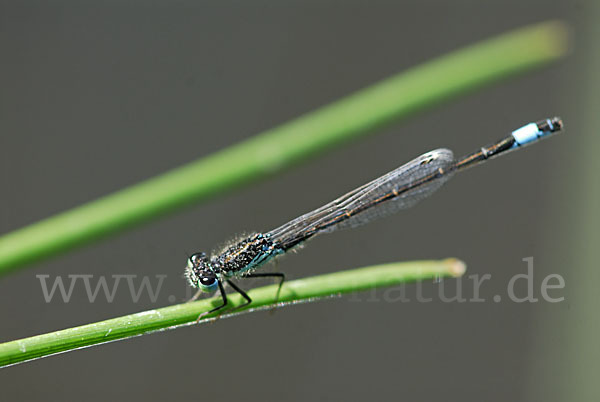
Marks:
<point>564,357</point>
<point>394,98</point>
<point>306,289</point>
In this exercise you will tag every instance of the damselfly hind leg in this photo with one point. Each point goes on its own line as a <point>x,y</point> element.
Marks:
<point>279,275</point>
<point>235,287</point>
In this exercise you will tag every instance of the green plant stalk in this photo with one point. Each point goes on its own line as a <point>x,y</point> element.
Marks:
<point>306,289</point>
<point>394,98</point>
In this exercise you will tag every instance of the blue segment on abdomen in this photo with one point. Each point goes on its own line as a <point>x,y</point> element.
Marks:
<point>526,134</point>
<point>530,133</point>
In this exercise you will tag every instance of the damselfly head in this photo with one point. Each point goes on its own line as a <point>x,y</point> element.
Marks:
<point>199,273</point>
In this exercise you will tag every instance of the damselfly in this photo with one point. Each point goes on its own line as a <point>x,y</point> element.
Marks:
<point>396,190</point>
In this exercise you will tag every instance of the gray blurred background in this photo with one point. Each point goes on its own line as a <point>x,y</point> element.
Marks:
<point>96,97</point>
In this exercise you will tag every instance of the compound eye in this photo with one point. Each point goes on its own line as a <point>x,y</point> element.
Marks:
<point>207,283</point>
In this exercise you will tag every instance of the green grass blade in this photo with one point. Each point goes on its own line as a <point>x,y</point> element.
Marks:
<point>306,289</point>
<point>399,96</point>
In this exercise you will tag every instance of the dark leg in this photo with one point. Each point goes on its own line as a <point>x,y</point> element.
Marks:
<point>279,275</point>
<point>240,291</point>
<point>223,295</point>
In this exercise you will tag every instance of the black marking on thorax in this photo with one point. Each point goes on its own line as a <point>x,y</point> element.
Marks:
<point>243,256</point>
